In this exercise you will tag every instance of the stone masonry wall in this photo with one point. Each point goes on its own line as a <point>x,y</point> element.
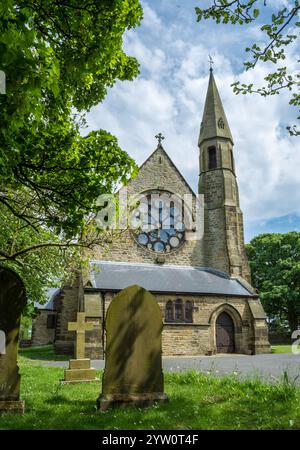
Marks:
<point>67,312</point>
<point>41,335</point>
<point>235,238</point>
<point>224,247</point>
<point>198,338</point>
<point>157,173</point>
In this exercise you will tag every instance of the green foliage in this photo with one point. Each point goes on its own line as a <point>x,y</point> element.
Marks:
<point>281,349</point>
<point>44,265</point>
<point>59,59</point>
<point>197,401</point>
<point>25,327</point>
<point>275,268</point>
<point>279,33</point>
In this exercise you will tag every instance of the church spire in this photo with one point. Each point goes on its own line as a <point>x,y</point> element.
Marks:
<point>223,219</point>
<point>214,122</point>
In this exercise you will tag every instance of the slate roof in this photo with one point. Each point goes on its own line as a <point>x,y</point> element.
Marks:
<point>115,276</point>
<point>49,305</point>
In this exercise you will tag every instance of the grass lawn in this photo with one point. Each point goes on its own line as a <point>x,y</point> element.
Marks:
<point>281,349</point>
<point>197,401</point>
<point>42,353</point>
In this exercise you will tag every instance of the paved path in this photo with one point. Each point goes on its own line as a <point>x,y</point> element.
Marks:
<point>267,367</point>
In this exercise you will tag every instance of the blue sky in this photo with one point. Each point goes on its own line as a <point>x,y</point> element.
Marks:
<point>169,95</point>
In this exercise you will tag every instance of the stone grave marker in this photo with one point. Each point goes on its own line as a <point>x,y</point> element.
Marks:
<point>80,370</point>
<point>133,364</point>
<point>12,304</point>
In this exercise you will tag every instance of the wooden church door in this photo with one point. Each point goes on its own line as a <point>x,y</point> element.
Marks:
<point>225,334</point>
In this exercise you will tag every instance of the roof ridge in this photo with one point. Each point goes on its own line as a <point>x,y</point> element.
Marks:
<point>172,266</point>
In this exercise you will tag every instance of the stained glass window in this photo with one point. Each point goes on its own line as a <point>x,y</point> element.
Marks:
<point>169,311</point>
<point>164,227</point>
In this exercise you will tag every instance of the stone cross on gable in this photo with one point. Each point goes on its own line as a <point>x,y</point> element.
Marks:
<point>159,137</point>
<point>81,326</point>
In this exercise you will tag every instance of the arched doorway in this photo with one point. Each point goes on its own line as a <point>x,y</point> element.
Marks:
<point>225,334</point>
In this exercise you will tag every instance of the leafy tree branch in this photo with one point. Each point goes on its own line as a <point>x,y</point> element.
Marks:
<point>275,266</point>
<point>280,31</point>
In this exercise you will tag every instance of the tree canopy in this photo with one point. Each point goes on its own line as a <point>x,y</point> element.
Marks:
<point>275,267</point>
<point>39,268</point>
<point>59,59</point>
<point>280,31</point>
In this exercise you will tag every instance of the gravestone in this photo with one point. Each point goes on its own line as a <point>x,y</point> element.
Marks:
<point>80,369</point>
<point>133,365</point>
<point>12,303</point>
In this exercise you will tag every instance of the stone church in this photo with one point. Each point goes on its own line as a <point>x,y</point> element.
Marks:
<point>203,286</point>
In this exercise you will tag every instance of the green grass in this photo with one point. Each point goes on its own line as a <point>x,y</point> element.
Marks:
<point>197,401</point>
<point>42,353</point>
<point>281,349</point>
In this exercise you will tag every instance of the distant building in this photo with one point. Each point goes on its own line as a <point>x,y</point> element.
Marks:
<point>44,325</point>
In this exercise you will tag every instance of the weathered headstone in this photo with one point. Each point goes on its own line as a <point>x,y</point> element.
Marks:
<point>133,365</point>
<point>80,370</point>
<point>12,303</point>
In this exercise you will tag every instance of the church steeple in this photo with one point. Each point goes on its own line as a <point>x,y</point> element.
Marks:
<point>214,122</point>
<point>224,247</point>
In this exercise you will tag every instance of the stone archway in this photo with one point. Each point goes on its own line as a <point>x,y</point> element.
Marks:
<point>225,333</point>
<point>233,320</point>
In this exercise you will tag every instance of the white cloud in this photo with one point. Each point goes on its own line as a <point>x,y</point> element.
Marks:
<point>150,18</point>
<point>169,97</point>
<point>152,60</point>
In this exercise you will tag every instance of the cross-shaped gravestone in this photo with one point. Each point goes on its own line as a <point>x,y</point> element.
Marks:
<point>160,138</point>
<point>80,370</point>
<point>81,326</point>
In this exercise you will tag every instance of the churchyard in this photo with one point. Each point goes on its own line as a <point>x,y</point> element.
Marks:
<point>161,314</point>
<point>197,401</point>
<point>135,392</point>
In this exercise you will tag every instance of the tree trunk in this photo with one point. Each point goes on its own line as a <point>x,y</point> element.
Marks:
<point>293,322</point>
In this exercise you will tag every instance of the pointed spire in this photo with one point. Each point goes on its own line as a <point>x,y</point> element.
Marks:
<point>214,122</point>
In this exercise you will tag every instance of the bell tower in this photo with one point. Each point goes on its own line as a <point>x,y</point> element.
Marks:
<point>224,247</point>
